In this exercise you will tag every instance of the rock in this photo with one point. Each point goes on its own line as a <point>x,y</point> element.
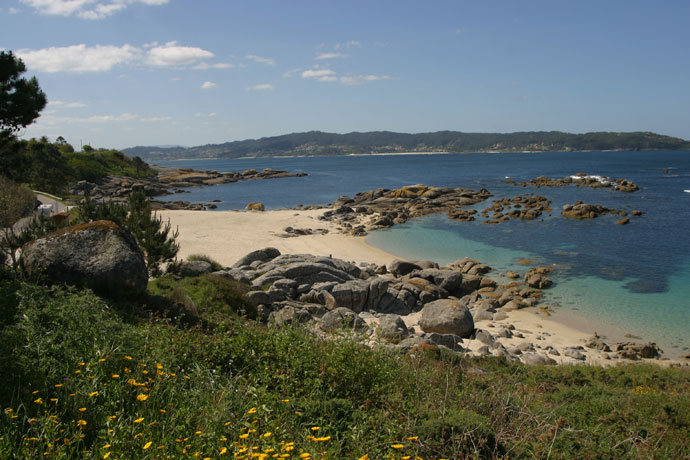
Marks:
<point>391,328</point>
<point>535,359</point>
<point>450,341</point>
<point>449,280</point>
<point>341,318</point>
<point>192,268</point>
<point>634,351</point>
<point>262,255</point>
<point>447,316</point>
<point>351,294</point>
<point>484,337</point>
<point>289,315</point>
<point>482,315</point>
<point>412,342</point>
<point>623,221</point>
<point>401,267</point>
<point>575,354</point>
<point>255,207</point>
<point>260,297</point>
<point>584,211</point>
<point>99,255</point>
<point>597,343</point>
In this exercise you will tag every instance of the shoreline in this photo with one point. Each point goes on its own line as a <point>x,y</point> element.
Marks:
<point>226,236</point>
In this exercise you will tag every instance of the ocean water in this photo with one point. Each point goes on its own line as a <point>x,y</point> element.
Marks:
<point>636,277</point>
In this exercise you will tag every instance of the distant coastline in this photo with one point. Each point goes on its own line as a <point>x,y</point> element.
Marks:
<point>316,143</point>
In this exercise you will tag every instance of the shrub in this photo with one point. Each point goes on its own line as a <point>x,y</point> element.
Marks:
<point>458,431</point>
<point>203,257</point>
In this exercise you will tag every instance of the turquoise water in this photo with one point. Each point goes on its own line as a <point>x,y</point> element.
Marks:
<point>635,276</point>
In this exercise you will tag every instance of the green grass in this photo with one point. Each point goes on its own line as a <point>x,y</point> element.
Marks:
<point>150,385</point>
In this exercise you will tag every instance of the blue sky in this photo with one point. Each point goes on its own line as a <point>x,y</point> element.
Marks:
<point>120,73</point>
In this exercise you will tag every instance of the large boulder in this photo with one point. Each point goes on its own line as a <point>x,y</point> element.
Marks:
<point>401,267</point>
<point>447,316</point>
<point>262,255</point>
<point>99,255</point>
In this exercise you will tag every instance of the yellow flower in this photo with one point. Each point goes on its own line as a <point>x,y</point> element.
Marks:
<point>101,360</point>
<point>139,420</point>
<point>82,409</point>
<point>81,423</point>
<point>267,435</point>
<point>58,385</point>
<point>285,400</point>
<point>252,410</point>
<point>315,428</point>
<point>35,392</point>
<point>80,364</point>
<point>364,457</point>
<point>413,438</point>
<point>116,376</point>
<point>223,450</point>
<point>107,446</point>
<point>142,397</point>
<point>147,445</point>
<point>53,400</point>
<point>197,432</point>
<point>162,411</point>
<point>244,436</point>
<point>91,395</point>
<point>128,358</point>
<point>107,454</point>
<point>38,401</point>
<point>223,439</point>
<point>398,446</point>
<point>227,423</point>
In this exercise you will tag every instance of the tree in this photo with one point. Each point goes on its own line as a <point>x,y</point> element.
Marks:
<point>21,100</point>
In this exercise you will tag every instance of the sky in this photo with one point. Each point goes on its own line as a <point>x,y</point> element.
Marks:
<point>121,73</point>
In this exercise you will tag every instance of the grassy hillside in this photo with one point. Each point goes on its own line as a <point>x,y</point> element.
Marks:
<point>184,374</point>
<point>51,167</point>
<point>319,143</point>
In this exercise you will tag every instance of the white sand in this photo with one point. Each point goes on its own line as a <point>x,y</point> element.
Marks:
<point>228,235</point>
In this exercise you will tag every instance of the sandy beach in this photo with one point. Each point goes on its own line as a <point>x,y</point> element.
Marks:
<point>227,236</point>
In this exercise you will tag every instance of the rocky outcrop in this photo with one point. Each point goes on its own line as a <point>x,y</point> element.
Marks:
<point>383,208</point>
<point>99,255</point>
<point>527,207</point>
<point>169,181</point>
<point>581,180</point>
<point>582,210</point>
<point>255,207</point>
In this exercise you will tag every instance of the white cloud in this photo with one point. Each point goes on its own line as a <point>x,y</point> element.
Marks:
<point>218,65</point>
<point>350,44</point>
<point>205,115</point>
<point>175,79</point>
<point>320,74</point>
<point>172,55</point>
<point>292,72</point>
<point>78,58</point>
<point>66,105</point>
<point>261,87</point>
<point>155,119</point>
<point>361,79</point>
<point>459,31</point>
<point>330,56</point>
<point>260,59</point>
<point>13,11</point>
<point>86,9</point>
<point>208,85</point>
<point>99,119</point>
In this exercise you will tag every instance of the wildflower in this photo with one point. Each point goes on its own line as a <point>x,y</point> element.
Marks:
<point>9,411</point>
<point>223,450</point>
<point>244,436</point>
<point>267,434</point>
<point>112,417</point>
<point>197,432</point>
<point>91,395</point>
<point>78,371</point>
<point>142,397</point>
<point>252,410</point>
<point>81,423</point>
<point>397,446</point>
<point>285,400</point>
<point>58,385</point>
<point>106,455</point>
<point>101,360</point>
<point>364,457</point>
<point>413,438</point>
<point>81,364</point>
<point>38,401</point>
<point>147,445</point>
<point>315,428</point>
<point>107,446</point>
<point>116,376</point>
<point>139,420</point>
<point>227,423</point>
<point>82,409</point>
<point>162,411</point>
<point>32,420</point>
<point>223,439</point>
<point>53,400</point>
<point>322,439</point>
<point>138,435</point>
<point>305,455</point>
<point>128,358</point>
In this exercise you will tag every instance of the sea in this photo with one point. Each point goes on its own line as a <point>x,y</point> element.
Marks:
<point>634,278</point>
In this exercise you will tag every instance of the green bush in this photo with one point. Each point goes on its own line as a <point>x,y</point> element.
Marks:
<point>458,431</point>
<point>204,258</point>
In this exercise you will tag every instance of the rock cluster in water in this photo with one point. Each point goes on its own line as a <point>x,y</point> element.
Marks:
<point>580,180</point>
<point>383,208</point>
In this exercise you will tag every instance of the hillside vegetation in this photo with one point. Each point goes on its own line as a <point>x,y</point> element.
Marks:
<point>52,166</point>
<point>183,374</point>
<point>319,143</point>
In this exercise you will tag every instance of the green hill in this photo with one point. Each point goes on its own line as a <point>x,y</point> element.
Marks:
<point>319,143</point>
